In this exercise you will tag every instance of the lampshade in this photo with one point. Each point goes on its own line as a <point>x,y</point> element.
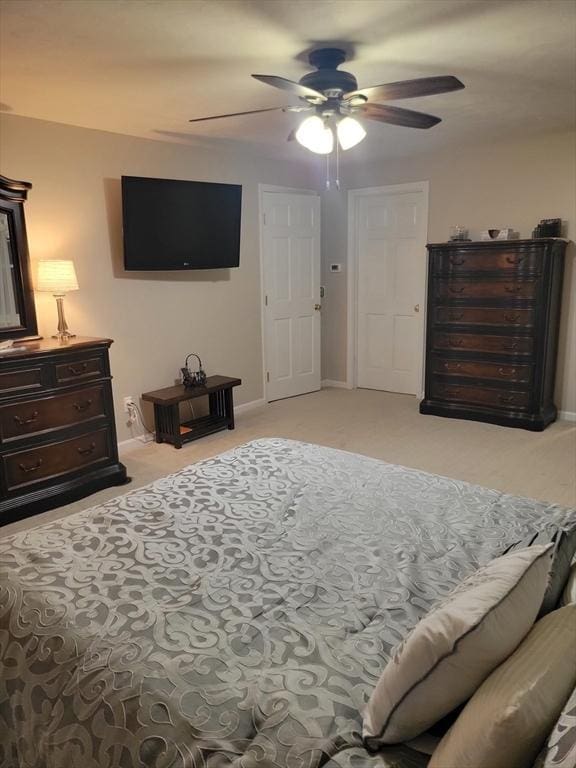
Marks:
<point>315,136</point>
<point>350,132</point>
<point>56,276</point>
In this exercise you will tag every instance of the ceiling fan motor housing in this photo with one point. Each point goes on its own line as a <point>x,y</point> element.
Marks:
<point>327,77</point>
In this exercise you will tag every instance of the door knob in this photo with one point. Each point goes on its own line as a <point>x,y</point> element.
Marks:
<point>317,307</point>
<point>416,308</point>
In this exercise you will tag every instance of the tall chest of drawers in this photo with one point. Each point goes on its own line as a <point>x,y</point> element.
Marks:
<point>492,331</point>
<point>57,431</point>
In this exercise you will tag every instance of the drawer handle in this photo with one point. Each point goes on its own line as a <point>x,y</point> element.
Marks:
<point>79,370</point>
<point>455,315</point>
<point>507,371</point>
<point>512,288</point>
<point>452,366</point>
<point>506,398</point>
<point>456,288</point>
<point>456,262</point>
<point>510,347</point>
<point>451,391</point>
<point>510,318</point>
<point>87,451</point>
<point>515,260</point>
<point>455,342</point>
<point>80,407</point>
<point>31,467</point>
<point>30,420</point>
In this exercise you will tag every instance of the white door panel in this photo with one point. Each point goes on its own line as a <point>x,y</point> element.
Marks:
<point>291,259</point>
<point>390,247</point>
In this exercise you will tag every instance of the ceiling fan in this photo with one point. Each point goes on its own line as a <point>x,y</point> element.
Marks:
<point>333,96</point>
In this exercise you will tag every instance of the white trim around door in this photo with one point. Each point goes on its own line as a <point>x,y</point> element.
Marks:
<point>262,190</point>
<point>354,197</point>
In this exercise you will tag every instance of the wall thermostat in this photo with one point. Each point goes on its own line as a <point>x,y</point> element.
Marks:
<point>335,267</point>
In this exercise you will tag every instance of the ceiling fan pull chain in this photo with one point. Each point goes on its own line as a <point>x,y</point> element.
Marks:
<point>337,165</point>
<point>327,171</point>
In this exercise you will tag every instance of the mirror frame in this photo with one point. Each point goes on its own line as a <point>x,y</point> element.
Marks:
<point>12,196</point>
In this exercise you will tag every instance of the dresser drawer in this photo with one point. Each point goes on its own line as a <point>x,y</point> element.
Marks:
<point>518,374</point>
<point>49,461</point>
<point>491,397</point>
<point>483,260</point>
<point>17,380</point>
<point>80,370</point>
<point>486,289</point>
<point>475,342</point>
<point>31,417</point>
<point>484,316</point>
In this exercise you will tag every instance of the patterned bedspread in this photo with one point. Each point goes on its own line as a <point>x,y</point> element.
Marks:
<point>237,613</point>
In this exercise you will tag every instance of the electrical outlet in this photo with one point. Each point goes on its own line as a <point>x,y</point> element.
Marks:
<point>128,403</point>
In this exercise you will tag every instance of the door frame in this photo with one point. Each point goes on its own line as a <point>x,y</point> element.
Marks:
<point>262,189</point>
<point>354,196</point>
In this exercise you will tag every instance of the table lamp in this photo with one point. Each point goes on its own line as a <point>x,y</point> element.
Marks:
<point>58,276</point>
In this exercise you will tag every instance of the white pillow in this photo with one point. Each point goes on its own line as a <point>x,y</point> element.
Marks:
<point>456,646</point>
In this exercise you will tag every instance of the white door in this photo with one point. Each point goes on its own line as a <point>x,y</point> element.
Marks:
<point>291,262</point>
<point>391,234</point>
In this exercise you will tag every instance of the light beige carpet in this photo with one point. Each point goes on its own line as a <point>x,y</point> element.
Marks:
<point>386,426</point>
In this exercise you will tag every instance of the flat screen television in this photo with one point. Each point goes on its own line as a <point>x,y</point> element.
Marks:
<point>171,224</point>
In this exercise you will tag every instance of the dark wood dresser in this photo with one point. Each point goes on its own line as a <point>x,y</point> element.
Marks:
<point>57,431</point>
<point>492,331</point>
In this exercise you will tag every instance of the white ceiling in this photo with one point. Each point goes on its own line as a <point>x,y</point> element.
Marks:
<point>143,67</point>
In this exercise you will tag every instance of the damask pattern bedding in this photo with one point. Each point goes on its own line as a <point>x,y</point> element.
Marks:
<point>237,613</point>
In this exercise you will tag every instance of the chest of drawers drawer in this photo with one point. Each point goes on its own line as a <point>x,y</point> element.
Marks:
<point>23,468</point>
<point>81,370</point>
<point>448,289</point>
<point>25,418</point>
<point>17,380</point>
<point>524,318</point>
<point>505,260</point>
<point>515,374</point>
<point>504,399</point>
<point>475,342</point>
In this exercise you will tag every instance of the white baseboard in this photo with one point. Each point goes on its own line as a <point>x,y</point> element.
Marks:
<point>244,407</point>
<point>131,443</point>
<point>567,415</point>
<point>332,383</point>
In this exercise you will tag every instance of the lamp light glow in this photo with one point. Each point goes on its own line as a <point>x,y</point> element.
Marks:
<point>56,276</point>
<point>350,132</point>
<point>315,136</point>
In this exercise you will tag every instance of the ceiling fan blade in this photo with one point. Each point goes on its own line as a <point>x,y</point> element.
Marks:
<point>397,116</point>
<point>408,89</point>
<point>236,114</point>
<point>302,91</point>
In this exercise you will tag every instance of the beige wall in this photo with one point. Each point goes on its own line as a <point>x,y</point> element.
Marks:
<point>73,211</point>
<point>492,185</point>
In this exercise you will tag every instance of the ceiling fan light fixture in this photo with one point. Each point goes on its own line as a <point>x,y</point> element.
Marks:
<point>315,136</point>
<point>350,132</point>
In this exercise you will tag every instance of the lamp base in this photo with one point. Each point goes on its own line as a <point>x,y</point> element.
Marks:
<point>63,332</point>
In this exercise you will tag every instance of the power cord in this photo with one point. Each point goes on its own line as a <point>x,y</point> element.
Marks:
<point>135,413</point>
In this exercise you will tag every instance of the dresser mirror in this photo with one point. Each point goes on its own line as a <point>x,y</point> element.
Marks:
<point>17,311</point>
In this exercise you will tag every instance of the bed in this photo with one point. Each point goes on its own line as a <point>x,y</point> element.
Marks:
<point>236,613</point>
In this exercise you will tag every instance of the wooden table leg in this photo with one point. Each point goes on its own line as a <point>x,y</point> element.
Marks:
<point>158,423</point>
<point>229,401</point>
<point>175,425</point>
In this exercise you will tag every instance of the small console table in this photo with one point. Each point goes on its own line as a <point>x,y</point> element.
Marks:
<point>167,401</point>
